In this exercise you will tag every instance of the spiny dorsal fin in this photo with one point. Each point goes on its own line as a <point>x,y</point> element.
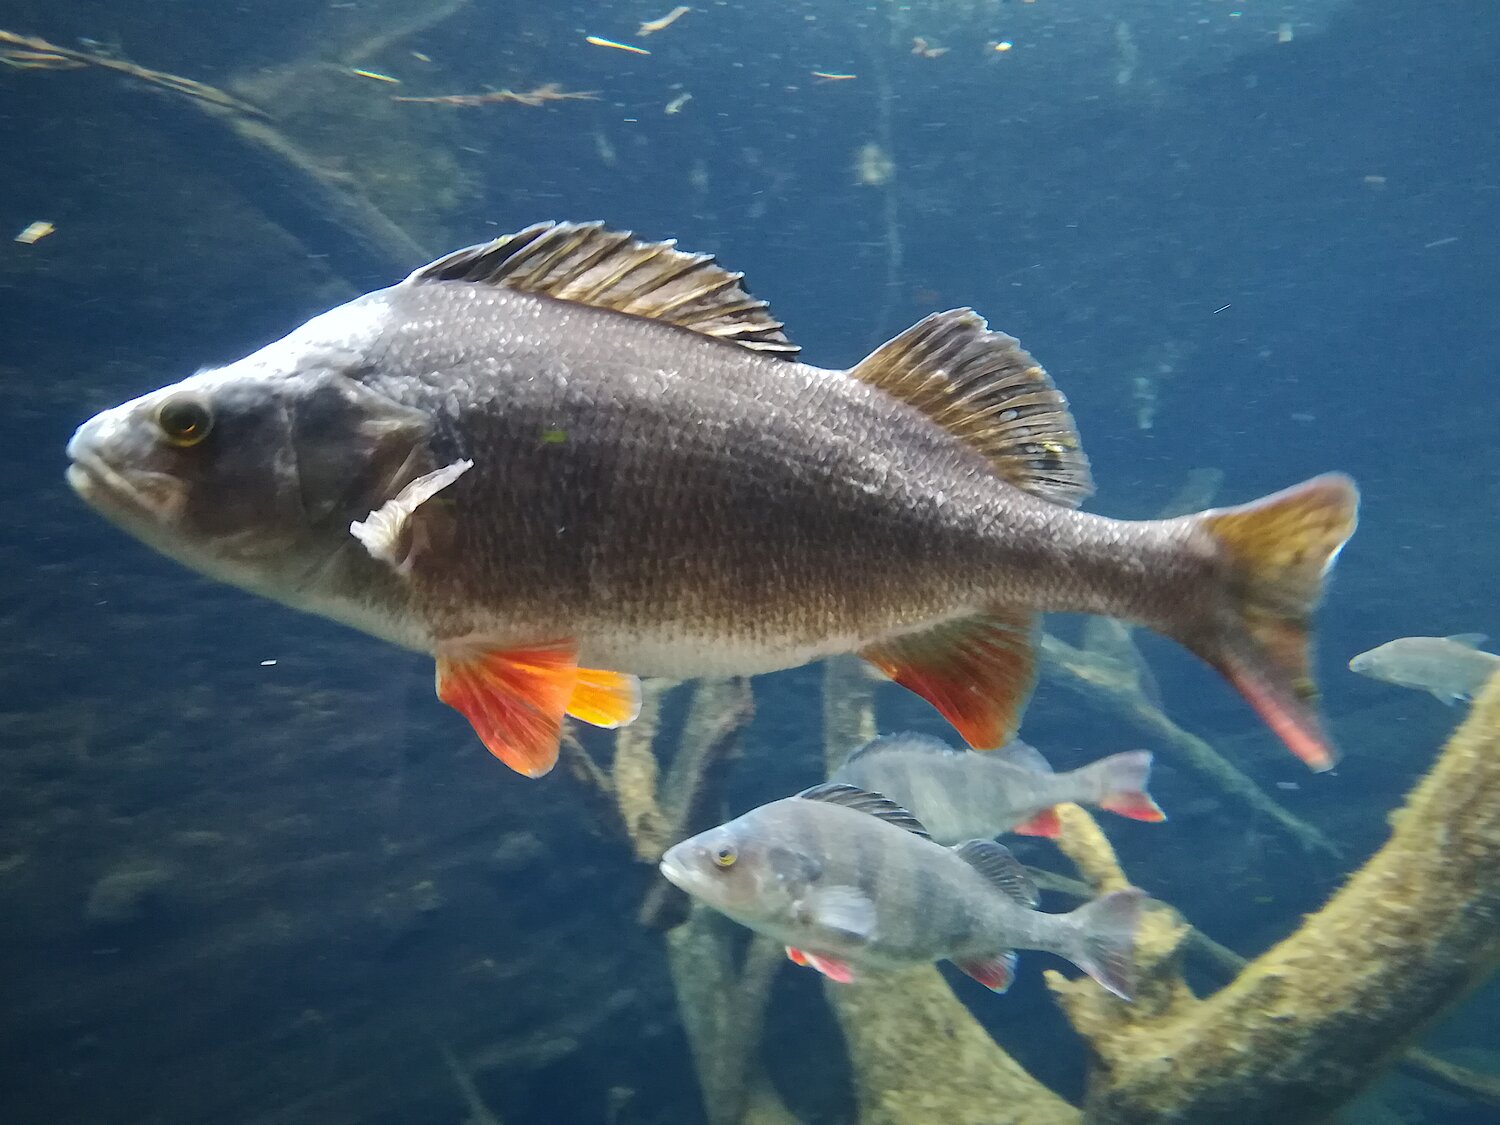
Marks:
<point>981,387</point>
<point>996,863</point>
<point>851,796</point>
<point>588,265</point>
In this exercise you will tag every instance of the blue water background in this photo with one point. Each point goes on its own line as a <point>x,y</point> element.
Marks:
<point>1307,232</point>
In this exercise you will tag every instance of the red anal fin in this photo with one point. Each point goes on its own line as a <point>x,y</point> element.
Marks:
<point>995,973</point>
<point>514,698</point>
<point>796,956</point>
<point>977,671</point>
<point>1136,806</point>
<point>1044,823</point>
<point>831,967</point>
<point>605,699</point>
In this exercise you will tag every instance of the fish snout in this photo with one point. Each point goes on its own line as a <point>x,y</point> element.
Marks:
<point>112,467</point>
<point>676,866</point>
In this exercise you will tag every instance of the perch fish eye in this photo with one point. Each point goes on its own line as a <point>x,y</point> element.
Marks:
<point>184,420</point>
<point>725,857</point>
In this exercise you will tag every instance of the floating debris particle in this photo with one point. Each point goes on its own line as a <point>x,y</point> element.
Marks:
<point>1374,181</point>
<point>833,76</point>
<point>598,42</point>
<point>268,663</point>
<point>39,60</point>
<point>925,50</point>
<point>873,166</point>
<point>35,232</point>
<point>420,57</point>
<point>1452,238</point>
<point>551,92</point>
<point>676,104</point>
<point>999,46</point>
<point>1284,33</point>
<point>651,27</point>
<point>374,75</point>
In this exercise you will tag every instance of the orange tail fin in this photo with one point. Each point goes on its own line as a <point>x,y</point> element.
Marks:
<point>1279,550</point>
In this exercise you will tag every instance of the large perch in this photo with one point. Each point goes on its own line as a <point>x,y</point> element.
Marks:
<point>1315,1019</point>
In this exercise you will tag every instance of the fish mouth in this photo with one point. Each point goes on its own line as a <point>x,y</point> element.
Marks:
<point>141,500</point>
<point>675,873</point>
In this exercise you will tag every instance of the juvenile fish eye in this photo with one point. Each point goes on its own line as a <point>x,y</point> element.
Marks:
<point>725,857</point>
<point>184,420</point>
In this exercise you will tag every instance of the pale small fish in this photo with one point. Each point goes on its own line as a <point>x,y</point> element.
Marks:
<point>568,458</point>
<point>960,794</point>
<point>849,881</point>
<point>1451,668</point>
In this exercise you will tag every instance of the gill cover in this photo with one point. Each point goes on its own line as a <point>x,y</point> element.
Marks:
<point>355,448</point>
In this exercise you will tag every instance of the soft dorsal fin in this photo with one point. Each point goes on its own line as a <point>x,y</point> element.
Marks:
<point>1468,640</point>
<point>996,863</point>
<point>904,741</point>
<point>589,265</point>
<point>981,387</point>
<point>1025,756</point>
<point>852,796</point>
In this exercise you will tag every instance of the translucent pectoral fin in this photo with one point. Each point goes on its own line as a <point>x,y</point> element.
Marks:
<point>389,533</point>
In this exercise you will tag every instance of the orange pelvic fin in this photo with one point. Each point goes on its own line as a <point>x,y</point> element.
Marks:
<point>514,698</point>
<point>1279,550</point>
<point>977,671</point>
<point>605,699</point>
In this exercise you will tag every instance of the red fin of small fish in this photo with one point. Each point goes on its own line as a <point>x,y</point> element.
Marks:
<point>977,671</point>
<point>1137,806</point>
<point>1045,823</point>
<point>605,699</point>
<point>1279,549</point>
<point>1123,778</point>
<point>514,698</point>
<point>995,973</point>
<point>831,967</point>
<point>796,956</point>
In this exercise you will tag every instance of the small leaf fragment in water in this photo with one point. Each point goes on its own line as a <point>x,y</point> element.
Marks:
<point>598,42</point>
<point>35,232</point>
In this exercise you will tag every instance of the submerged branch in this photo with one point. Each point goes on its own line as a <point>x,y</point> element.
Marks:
<point>1308,1024</point>
<point>31,53</point>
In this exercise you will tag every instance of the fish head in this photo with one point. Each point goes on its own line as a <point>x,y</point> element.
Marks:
<point>746,874</point>
<point>249,473</point>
